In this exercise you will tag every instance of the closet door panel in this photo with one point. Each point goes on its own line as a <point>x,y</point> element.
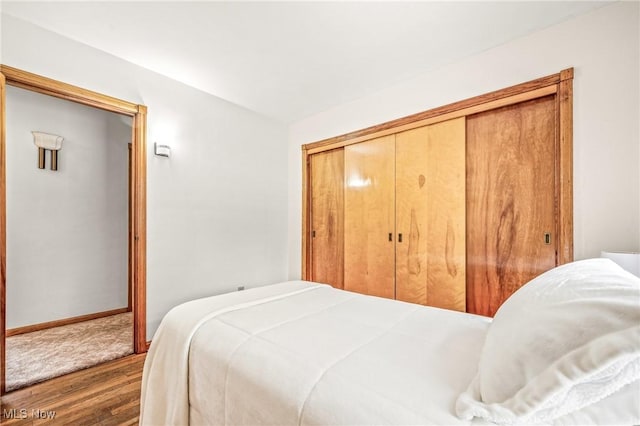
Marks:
<point>446,207</point>
<point>369,259</point>
<point>327,217</point>
<point>412,171</point>
<point>430,215</point>
<point>510,200</point>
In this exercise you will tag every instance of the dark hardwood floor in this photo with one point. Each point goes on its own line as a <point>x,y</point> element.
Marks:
<point>108,394</point>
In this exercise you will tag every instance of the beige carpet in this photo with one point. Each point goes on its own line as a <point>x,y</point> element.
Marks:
<point>41,355</point>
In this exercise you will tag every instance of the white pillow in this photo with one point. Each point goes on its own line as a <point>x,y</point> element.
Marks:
<point>620,409</point>
<point>567,339</point>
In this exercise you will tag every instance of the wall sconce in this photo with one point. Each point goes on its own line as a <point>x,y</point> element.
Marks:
<point>46,141</point>
<point>629,261</point>
<point>162,150</point>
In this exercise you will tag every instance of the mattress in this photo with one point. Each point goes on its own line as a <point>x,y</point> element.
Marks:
<point>305,353</point>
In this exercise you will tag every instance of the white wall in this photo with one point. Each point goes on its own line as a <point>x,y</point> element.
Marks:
<point>604,48</point>
<point>66,229</point>
<point>217,209</point>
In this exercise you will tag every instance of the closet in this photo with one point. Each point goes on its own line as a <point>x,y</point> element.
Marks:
<point>455,207</point>
<point>404,216</point>
<point>327,187</point>
<point>369,259</point>
<point>511,200</point>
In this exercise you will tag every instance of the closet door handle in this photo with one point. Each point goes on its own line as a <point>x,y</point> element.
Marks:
<point>400,237</point>
<point>390,236</point>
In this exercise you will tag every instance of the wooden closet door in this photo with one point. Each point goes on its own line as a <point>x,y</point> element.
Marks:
<point>511,155</point>
<point>430,215</point>
<point>327,217</point>
<point>412,214</point>
<point>369,259</point>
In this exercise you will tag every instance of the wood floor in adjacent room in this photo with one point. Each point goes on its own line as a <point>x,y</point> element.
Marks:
<point>108,394</point>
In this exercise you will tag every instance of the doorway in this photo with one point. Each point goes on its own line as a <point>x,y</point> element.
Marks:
<point>135,219</point>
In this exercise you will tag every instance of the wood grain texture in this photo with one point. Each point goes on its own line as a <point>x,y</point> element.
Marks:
<point>65,321</point>
<point>138,263</point>
<point>327,217</point>
<point>565,172</point>
<point>130,225</point>
<point>369,256</point>
<point>108,394</point>
<point>305,256</point>
<point>446,216</point>
<point>511,157</point>
<point>3,232</point>
<point>430,214</point>
<point>49,86</point>
<point>412,171</point>
<point>549,81</point>
<point>566,74</point>
<point>560,84</point>
<point>475,109</point>
<point>39,84</point>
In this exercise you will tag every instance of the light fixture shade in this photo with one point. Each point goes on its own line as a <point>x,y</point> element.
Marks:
<point>629,261</point>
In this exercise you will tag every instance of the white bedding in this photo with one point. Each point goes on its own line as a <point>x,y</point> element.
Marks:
<point>303,353</point>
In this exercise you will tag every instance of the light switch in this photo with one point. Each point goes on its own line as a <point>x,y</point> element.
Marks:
<point>162,150</point>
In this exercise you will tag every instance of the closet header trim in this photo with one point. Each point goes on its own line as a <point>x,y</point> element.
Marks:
<point>508,96</point>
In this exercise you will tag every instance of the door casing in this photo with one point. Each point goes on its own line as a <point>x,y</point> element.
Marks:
<point>137,206</point>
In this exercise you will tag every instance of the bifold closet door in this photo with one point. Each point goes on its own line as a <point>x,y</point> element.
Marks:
<point>511,210</point>
<point>430,215</point>
<point>369,216</point>
<point>327,217</point>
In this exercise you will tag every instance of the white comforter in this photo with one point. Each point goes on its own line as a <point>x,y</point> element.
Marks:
<point>303,353</point>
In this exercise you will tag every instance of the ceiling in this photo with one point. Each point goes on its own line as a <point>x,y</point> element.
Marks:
<point>289,60</point>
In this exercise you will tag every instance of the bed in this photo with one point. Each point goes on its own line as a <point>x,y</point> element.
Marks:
<point>306,353</point>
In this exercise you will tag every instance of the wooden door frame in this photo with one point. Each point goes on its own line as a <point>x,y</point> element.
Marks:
<point>137,207</point>
<point>560,84</point>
